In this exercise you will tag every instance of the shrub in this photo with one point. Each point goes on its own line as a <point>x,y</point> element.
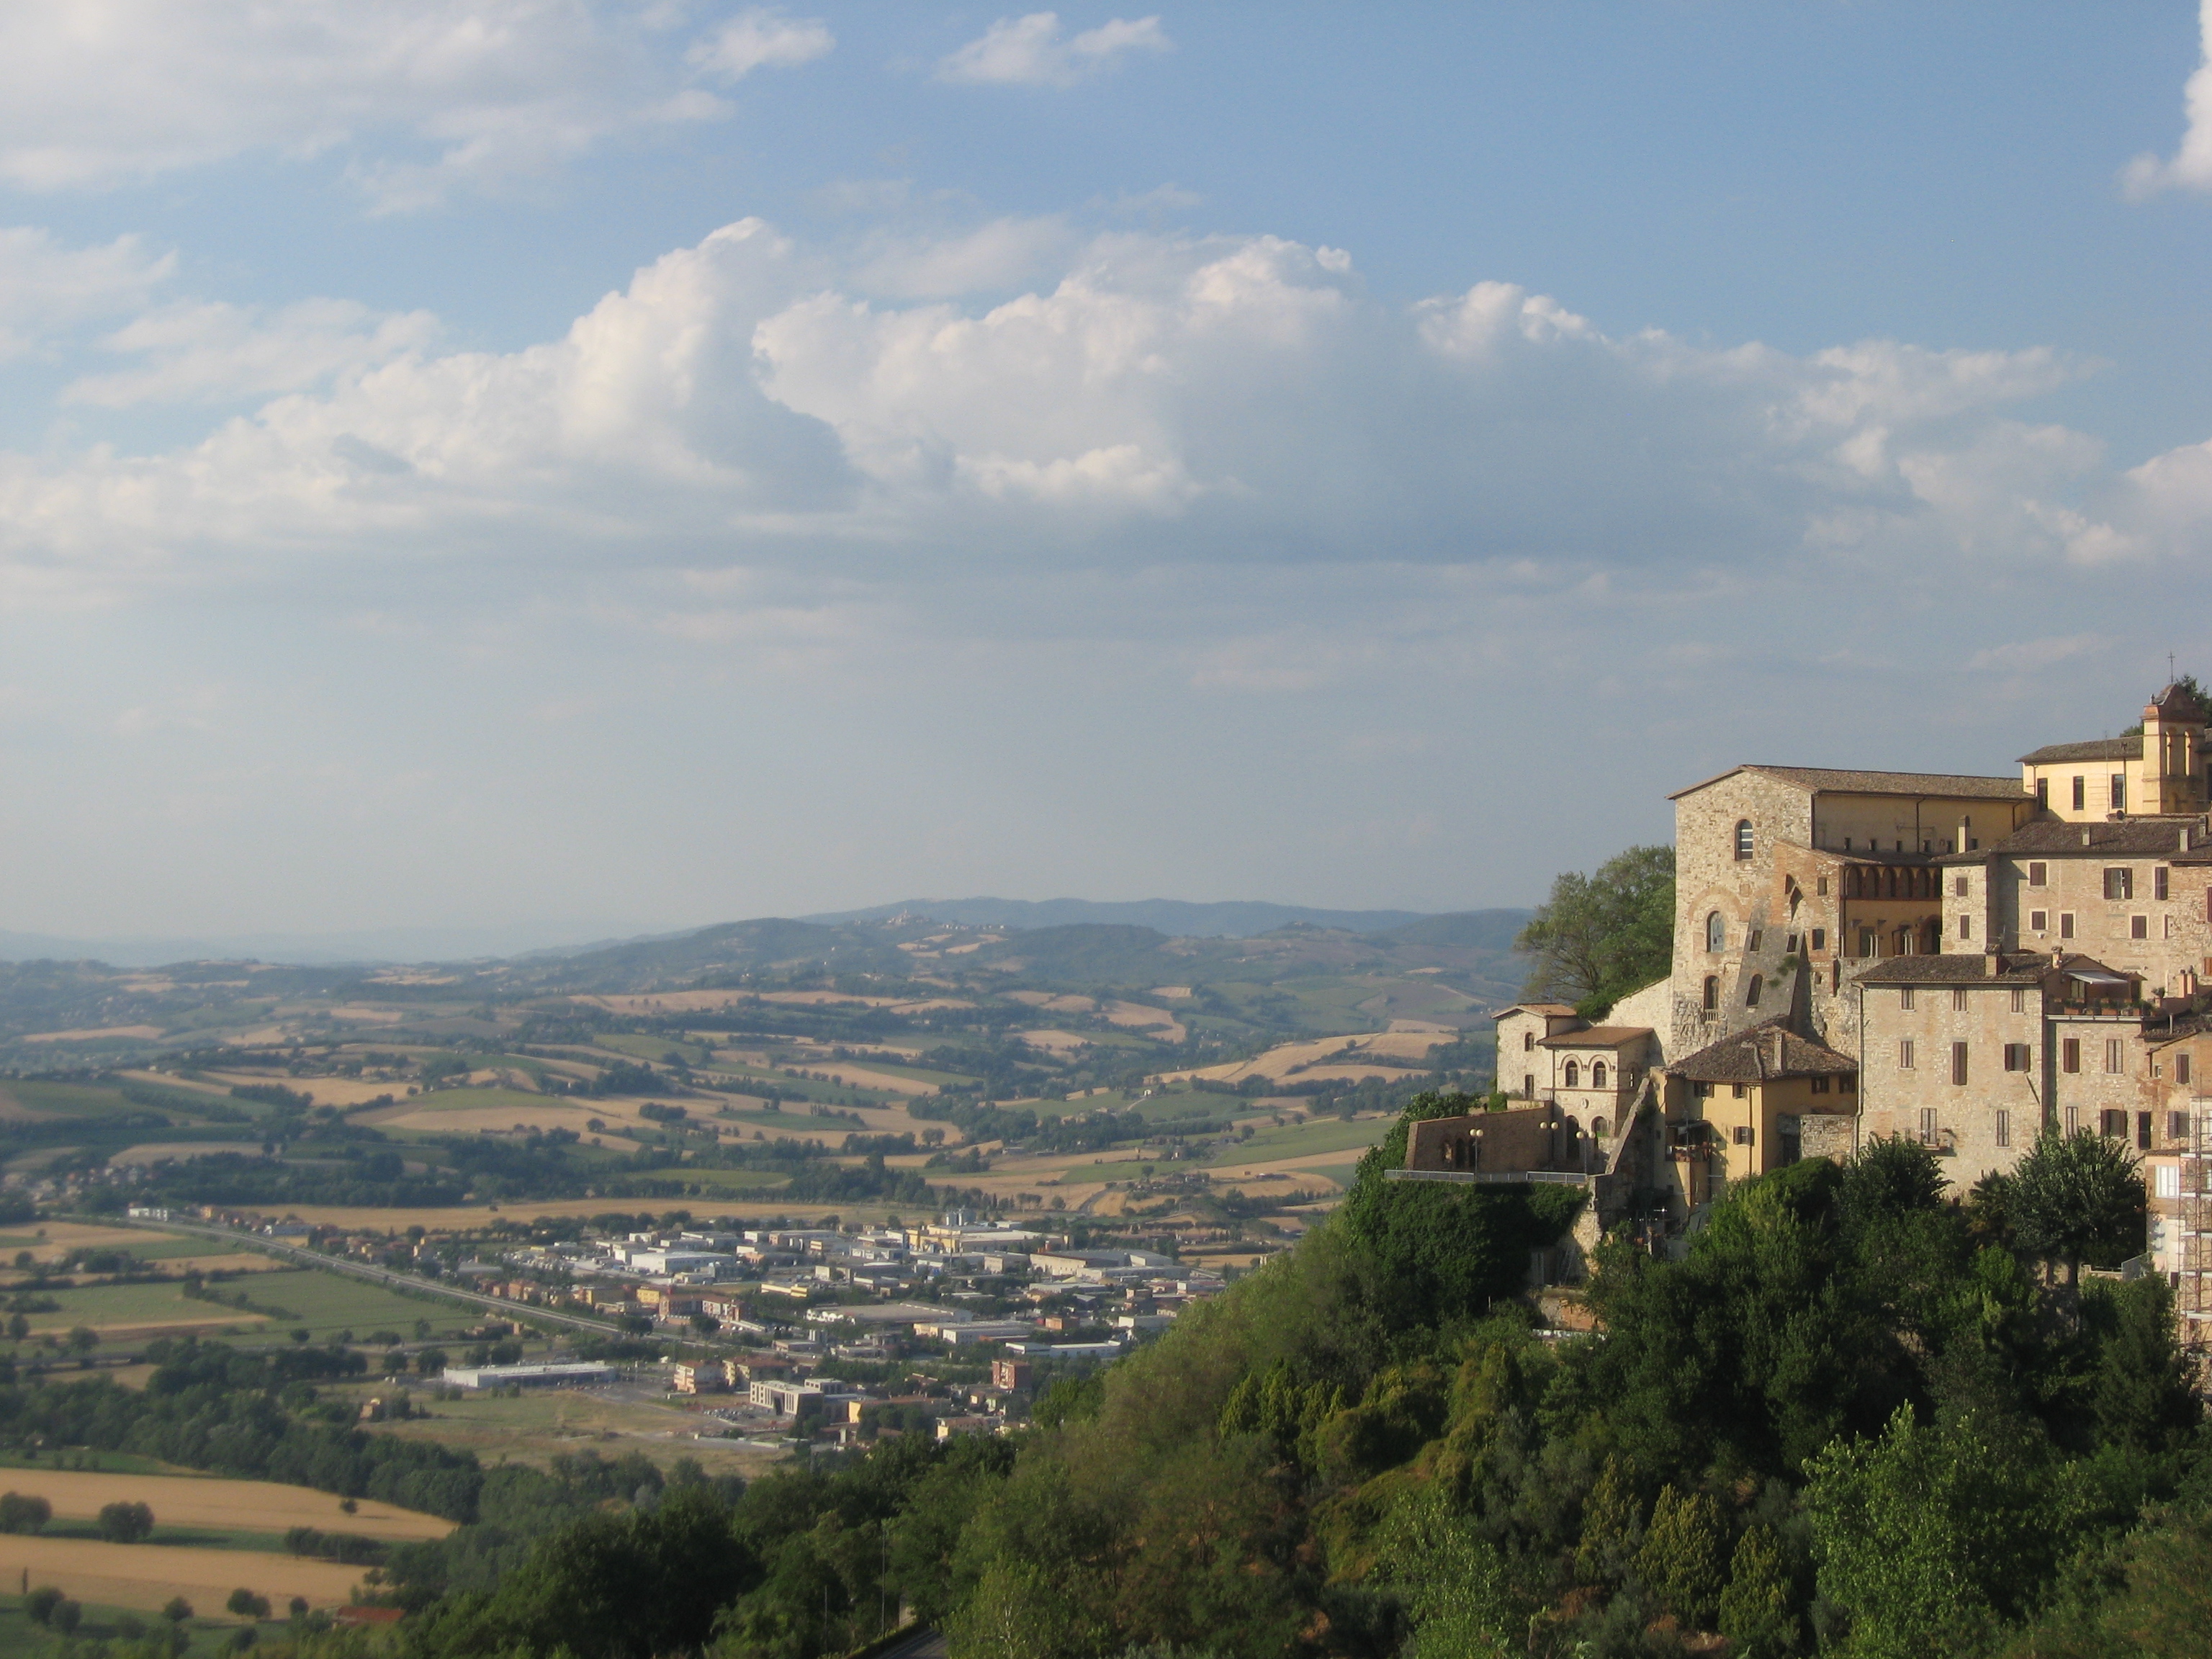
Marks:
<point>19,1513</point>
<point>40,1603</point>
<point>246,1605</point>
<point>176,1610</point>
<point>126,1523</point>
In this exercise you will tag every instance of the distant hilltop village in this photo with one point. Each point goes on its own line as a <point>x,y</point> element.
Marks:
<point>1966,961</point>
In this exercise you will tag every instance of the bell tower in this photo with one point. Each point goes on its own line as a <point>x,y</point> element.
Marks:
<point>2173,753</point>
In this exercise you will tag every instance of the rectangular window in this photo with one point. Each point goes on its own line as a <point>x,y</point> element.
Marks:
<point>1703,1091</point>
<point>2168,1177</point>
<point>2113,1123</point>
<point>2019,999</point>
<point>1820,938</point>
<point>1741,1091</point>
<point>1929,1130</point>
<point>2119,792</point>
<point>2004,1127</point>
<point>2120,883</point>
<point>2043,793</point>
<point>1752,944</point>
<point>2116,1054</point>
<point>1904,1053</point>
<point>1527,1041</point>
<point>2143,1131</point>
<point>2138,926</point>
<point>2069,1054</point>
<point>1904,997</point>
<point>1820,886</point>
<point>1958,1065</point>
<point>1966,928</point>
<point>1819,1086</point>
<point>1958,887</point>
<point>2039,922</point>
<point>2161,887</point>
<point>2015,1056</point>
<point>1741,1135</point>
<point>2081,794</point>
<point>2038,875</point>
<point>2181,1068</point>
<point>2066,924</point>
<point>2177,1126</point>
<point>1958,1000</point>
<point>1867,944</point>
<point>1848,1084</point>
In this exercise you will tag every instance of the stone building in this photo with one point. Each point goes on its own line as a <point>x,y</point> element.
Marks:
<point>1785,874</point>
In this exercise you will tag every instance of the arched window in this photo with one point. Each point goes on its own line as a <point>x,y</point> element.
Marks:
<point>1743,838</point>
<point>1574,1075</point>
<point>1597,1074</point>
<point>1751,997</point>
<point>1715,932</point>
<point>1597,1127</point>
<point>1712,993</point>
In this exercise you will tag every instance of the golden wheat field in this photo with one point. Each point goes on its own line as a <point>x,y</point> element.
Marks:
<point>184,1500</point>
<point>145,1575</point>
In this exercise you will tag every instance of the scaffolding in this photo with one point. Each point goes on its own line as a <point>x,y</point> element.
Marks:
<point>2192,1282</point>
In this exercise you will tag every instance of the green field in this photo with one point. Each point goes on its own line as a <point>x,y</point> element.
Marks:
<point>22,1639</point>
<point>322,1303</point>
<point>1326,1134</point>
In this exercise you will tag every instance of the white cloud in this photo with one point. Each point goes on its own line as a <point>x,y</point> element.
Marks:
<point>1031,51</point>
<point>422,95</point>
<point>2190,166</point>
<point>1161,401</point>
<point>760,39</point>
<point>207,351</point>
<point>44,286</point>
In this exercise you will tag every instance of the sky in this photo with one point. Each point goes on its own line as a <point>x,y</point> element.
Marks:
<point>600,467</point>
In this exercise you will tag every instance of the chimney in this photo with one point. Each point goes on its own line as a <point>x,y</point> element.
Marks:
<point>2184,838</point>
<point>2084,836</point>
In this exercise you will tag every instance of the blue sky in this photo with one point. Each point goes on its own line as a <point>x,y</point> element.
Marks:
<point>637,464</point>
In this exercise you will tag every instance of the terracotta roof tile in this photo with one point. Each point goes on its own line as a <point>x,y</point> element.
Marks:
<point>1596,1036</point>
<point>1941,784</point>
<point>1767,1050</point>
<point>2096,748</point>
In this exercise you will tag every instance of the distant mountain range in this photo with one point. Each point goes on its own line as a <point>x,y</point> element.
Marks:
<point>774,939</point>
<point>1177,918</point>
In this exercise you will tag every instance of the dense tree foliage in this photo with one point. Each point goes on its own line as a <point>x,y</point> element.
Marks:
<point>1600,936</point>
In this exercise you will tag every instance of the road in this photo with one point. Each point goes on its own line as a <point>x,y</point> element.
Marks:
<point>368,1270</point>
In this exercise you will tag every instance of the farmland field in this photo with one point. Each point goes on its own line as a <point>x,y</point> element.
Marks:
<point>258,1506</point>
<point>533,1428</point>
<point>144,1576</point>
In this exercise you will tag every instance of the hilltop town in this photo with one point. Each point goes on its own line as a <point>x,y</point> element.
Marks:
<point>1965,962</point>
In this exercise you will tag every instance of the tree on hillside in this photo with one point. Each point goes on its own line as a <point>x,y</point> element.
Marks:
<point>2078,1198</point>
<point>1598,937</point>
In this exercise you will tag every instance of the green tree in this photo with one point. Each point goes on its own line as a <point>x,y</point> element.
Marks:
<point>176,1610</point>
<point>1680,1562</point>
<point>126,1523</point>
<point>1930,1539</point>
<point>1612,1519</point>
<point>1601,936</point>
<point>246,1605</point>
<point>21,1513</point>
<point>2078,1198</point>
<point>1756,1615</point>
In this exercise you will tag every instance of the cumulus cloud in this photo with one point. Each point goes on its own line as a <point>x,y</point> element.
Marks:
<point>1031,51</point>
<point>760,39</point>
<point>421,95</point>
<point>206,351</point>
<point>2189,168</point>
<point>1161,401</point>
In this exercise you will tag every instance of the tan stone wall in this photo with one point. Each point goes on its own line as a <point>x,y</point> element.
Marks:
<point>1652,1007</point>
<point>1709,878</point>
<point>1985,1124</point>
<point>1526,1138</point>
<point>2175,943</point>
<point>1522,1068</point>
<point>2079,1098</point>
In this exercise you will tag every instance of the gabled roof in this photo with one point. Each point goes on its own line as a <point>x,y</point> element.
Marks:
<point>1597,1036</point>
<point>2142,838</point>
<point>1549,1010</point>
<point>1762,1053</point>
<point>2096,748</point>
<point>1819,780</point>
<point>2022,967</point>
